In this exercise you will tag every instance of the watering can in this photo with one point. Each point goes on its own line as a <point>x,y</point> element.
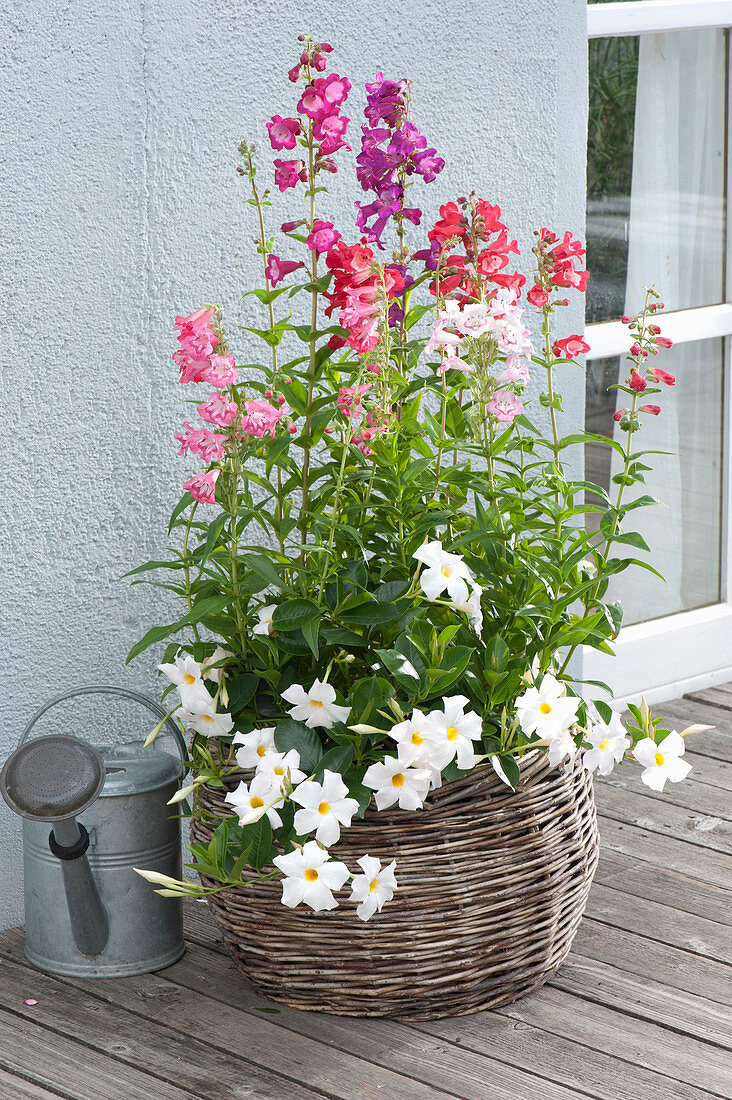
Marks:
<point>87,912</point>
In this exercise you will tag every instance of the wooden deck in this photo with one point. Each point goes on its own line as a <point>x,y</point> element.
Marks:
<point>640,1011</point>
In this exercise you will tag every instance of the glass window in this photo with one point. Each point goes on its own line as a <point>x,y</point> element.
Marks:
<point>684,534</point>
<point>656,170</point>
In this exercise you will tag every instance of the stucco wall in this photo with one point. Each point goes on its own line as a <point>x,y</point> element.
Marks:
<point>121,207</point>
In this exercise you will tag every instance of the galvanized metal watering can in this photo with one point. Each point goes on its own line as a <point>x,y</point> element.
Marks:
<point>86,910</point>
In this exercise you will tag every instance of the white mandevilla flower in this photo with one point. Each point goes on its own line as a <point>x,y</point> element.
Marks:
<point>472,607</point>
<point>374,887</point>
<point>547,710</point>
<point>393,781</point>
<point>255,745</point>
<point>264,626</point>
<point>444,571</point>
<point>609,742</point>
<point>453,732</point>
<point>217,658</point>
<point>317,706</point>
<point>207,721</point>
<point>250,801</point>
<point>185,673</point>
<point>282,768</point>
<point>326,806</point>
<point>311,877</point>
<point>662,761</point>
<point>561,745</point>
<point>414,740</point>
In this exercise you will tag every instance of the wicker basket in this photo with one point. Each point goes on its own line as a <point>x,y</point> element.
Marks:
<point>492,886</point>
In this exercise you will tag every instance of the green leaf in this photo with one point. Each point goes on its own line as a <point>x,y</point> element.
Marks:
<point>367,696</point>
<point>604,710</point>
<point>241,691</point>
<point>404,671</point>
<point>198,612</point>
<point>295,614</point>
<point>296,735</point>
<point>185,502</point>
<point>310,634</point>
<point>338,759</point>
<point>507,769</point>
<point>263,567</point>
<point>371,614</point>
<point>257,838</point>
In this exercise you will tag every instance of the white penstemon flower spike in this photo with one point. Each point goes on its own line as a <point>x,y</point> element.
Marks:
<point>311,877</point>
<point>325,807</point>
<point>443,572</point>
<point>374,887</point>
<point>609,742</point>
<point>662,761</point>
<point>316,706</point>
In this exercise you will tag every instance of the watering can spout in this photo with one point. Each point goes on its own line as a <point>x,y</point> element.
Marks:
<point>69,840</point>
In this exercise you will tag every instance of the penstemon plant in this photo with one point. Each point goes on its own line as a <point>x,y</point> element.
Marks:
<point>383,563</point>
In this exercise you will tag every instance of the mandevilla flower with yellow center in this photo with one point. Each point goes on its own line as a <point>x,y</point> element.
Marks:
<point>326,806</point>
<point>311,877</point>
<point>281,768</point>
<point>316,706</point>
<point>374,887</point>
<point>547,710</point>
<point>662,761</point>
<point>255,745</point>
<point>250,801</point>
<point>609,743</point>
<point>185,673</point>
<point>394,781</point>
<point>264,626</point>
<point>444,572</point>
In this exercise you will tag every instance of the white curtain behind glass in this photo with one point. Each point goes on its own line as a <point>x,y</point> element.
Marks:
<point>676,242</point>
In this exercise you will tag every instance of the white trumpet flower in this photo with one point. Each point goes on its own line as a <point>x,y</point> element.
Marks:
<point>311,877</point>
<point>374,887</point>
<point>316,706</point>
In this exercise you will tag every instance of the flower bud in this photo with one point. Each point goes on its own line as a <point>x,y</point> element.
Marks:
<point>636,349</point>
<point>292,428</point>
<point>664,342</point>
<point>654,410</point>
<point>626,319</point>
<point>619,414</point>
<point>294,74</point>
<point>637,382</point>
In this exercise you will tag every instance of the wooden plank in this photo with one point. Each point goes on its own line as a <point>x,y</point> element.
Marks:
<point>657,816</point>
<point>614,1057</point>
<point>639,878</point>
<point>647,958</point>
<point>710,770</point>
<point>660,922</point>
<point>648,999</point>
<point>204,994</point>
<point>665,852</point>
<point>701,798</point>
<point>717,742</point>
<point>185,1061</point>
<point>383,1042</point>
<point>16,1088</point>
<point>73,1070</point>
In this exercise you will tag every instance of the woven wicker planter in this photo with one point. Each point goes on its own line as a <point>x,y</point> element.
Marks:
<point>492,886</point>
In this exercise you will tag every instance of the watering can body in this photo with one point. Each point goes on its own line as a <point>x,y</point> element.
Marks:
<point>129,825</point>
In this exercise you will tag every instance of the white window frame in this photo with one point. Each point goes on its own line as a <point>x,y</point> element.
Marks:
<point>663,658</point>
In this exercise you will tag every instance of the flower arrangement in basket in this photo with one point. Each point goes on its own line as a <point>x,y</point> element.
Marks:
<point>382,558</point>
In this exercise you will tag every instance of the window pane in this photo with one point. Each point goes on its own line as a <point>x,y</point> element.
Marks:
<point>656,170</point>
<point>685,535</point>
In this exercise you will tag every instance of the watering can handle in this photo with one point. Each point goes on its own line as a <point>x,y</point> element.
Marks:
<point>101,689</point>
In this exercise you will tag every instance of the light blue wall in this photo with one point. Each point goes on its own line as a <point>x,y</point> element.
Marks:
<point>121,208</point>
